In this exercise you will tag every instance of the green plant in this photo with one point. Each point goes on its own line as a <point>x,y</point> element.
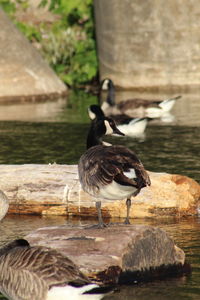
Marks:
<point>71,50</point>
<point>68,44</point>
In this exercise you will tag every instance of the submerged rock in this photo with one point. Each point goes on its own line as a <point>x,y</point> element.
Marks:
<point>117,254</point>
<point>55,190</point>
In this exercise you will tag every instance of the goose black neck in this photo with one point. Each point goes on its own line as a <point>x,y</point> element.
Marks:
<point>94,134</point>
<point>111,94</point>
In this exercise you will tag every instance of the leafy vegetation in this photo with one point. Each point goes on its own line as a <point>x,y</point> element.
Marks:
<point>68,44</point>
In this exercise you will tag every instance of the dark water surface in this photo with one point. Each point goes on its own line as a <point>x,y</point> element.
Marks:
<point>56,132</point>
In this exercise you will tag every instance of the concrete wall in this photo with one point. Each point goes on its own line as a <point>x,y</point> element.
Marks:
<point>23,72</point>
<point>149,43</point>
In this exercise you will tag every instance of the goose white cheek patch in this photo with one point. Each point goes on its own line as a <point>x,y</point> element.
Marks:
<point>105,85</point>
<point>92,116</point>
<point>109,129</point>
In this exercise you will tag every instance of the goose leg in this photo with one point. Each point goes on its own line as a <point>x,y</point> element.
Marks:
<point>128,206</point>
<point>100,219</point>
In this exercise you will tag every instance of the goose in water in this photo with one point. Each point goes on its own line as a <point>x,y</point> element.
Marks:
<point>3,205</point>
<point>133,107</point>
<point>132,127</point>
<point>110,172</point>
<point>40,273</point>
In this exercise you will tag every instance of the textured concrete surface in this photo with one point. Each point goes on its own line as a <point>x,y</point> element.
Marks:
<point>149,43</point>
<point>24,75</point>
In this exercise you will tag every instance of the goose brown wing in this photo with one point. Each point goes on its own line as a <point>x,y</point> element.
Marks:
<point>96,168</point>
<point>136,103</point>
<point>129,161</point>
<point>31,271</point>
<point>104,164</point>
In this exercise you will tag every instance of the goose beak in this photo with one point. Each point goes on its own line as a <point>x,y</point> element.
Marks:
<point>118,132</point>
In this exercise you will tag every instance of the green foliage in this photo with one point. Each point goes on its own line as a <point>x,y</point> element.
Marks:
<point>68,44</point>
<point>71,50</point>
<point>8,6</point>
<point>29,31</point>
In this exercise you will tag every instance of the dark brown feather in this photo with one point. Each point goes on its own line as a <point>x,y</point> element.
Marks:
<point>136,103</point>
<point>29,272</point>
<point>100,165</point>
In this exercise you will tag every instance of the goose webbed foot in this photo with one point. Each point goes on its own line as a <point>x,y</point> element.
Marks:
<point>128,206</point>
<point>127,222</point>
<point>98,226</point>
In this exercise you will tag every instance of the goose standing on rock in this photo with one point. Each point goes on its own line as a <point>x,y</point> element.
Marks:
<point>40,273</point>
<point>3,205</point>
<point>134,107</point>
<point>132,127</point>
<point>110,172</point>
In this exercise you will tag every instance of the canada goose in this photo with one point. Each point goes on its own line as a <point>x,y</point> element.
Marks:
<point>133,107</point>
<point>133,127</point>
<point>40,273</point>
<point>3,205</point>
<point>111,172</point>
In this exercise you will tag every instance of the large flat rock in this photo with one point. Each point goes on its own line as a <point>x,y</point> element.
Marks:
<point>117,254</point>
<point>55,189</point>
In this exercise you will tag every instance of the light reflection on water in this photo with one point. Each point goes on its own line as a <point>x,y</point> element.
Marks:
<point>172,148</point>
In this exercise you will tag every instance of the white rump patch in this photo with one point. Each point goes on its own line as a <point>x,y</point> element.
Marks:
<point>73,293</point>
<point>116,191</point>
<point>167,105</point>
<point>131,174</point>
<point>134,128</point>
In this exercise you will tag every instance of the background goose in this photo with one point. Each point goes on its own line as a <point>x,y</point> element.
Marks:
<point>111,172</point>
<point>3,205</point>
<point>40,273</point>
<point>133,127</point>
<point>133,107</point>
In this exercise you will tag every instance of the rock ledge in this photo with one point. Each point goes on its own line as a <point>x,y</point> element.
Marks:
<point>116,254</point>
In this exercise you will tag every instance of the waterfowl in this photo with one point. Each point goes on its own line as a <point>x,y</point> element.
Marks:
<point>134,107</point>
<point>133,127</point>
<point>110,172</point>
<point>3,205</point>
<point>40,273</point>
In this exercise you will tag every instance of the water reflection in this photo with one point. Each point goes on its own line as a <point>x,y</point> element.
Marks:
<point>73,108</point>
<point>57,134</point>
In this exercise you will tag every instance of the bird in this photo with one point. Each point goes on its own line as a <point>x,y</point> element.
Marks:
<point>134,107</point>
<point>4,204</point>
<point>108,171</point>
<point>41,273</point>
<point>132,127</point>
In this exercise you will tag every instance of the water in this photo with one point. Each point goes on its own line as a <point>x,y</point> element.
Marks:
<point>55,132</point>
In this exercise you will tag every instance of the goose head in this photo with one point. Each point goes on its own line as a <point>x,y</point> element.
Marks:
<point>99,128</point>
<point>108,85</point>
<point>95,112</point>
<point>14,244</point>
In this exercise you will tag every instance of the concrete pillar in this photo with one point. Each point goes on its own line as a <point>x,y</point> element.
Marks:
<point>149,43</point>
<point>23,72</point>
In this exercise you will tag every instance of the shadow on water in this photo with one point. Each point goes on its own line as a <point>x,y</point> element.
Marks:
<point>56,131</point>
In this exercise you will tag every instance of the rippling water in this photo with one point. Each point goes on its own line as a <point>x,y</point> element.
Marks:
<point>56,132</point>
